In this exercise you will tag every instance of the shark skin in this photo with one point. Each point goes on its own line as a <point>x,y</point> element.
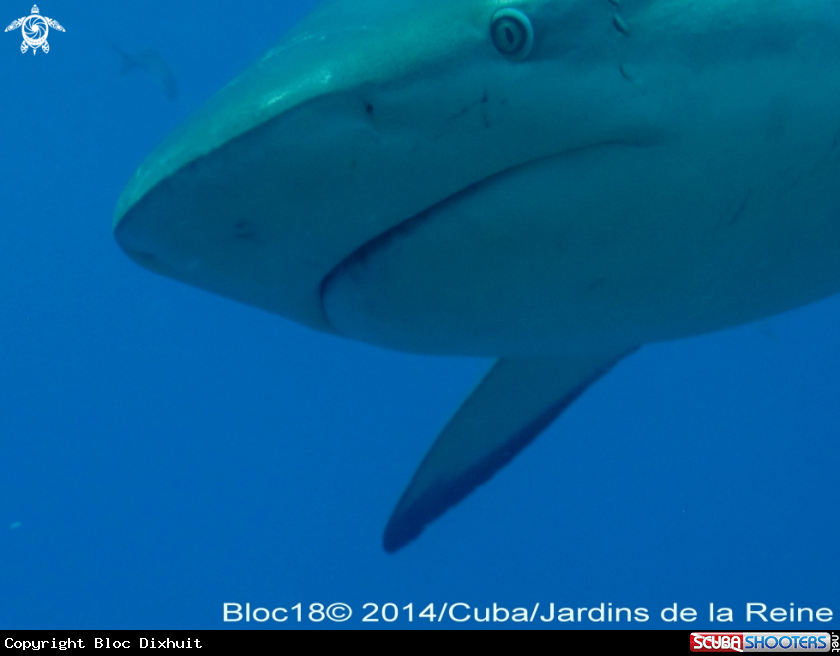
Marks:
<point>554,186</point>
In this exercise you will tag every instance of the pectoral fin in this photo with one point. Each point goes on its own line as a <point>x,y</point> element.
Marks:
<point>513,404</point>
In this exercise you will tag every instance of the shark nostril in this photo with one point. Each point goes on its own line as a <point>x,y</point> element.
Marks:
<point>149,259</point>
<point>512,33</point>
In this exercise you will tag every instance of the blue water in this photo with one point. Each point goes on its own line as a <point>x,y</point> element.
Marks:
<point>164,451</point>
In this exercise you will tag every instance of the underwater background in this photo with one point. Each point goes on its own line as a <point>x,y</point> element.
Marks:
<point>164,451</point>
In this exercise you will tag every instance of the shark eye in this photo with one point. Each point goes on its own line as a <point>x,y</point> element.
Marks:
<point>512,32</point>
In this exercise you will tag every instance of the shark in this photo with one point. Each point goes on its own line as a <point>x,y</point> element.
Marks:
<point>152,63</point>
<point>550,183</point>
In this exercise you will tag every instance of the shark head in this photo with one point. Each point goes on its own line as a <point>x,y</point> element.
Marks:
<point>551,182</point>
<point>367,118</point>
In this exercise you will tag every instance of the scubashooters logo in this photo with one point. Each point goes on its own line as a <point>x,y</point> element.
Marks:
<point>792,642</point>
<point>35,29</point>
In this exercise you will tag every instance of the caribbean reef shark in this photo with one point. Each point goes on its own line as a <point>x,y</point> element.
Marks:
<point>553,183</point>
<point>154,65</point>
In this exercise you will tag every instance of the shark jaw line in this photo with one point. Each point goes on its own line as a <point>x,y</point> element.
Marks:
<point>358,258</point>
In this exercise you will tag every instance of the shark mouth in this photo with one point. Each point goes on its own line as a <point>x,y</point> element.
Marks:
<point>342,289</point>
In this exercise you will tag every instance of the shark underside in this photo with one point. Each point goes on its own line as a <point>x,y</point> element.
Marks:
<point>553,183</point>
